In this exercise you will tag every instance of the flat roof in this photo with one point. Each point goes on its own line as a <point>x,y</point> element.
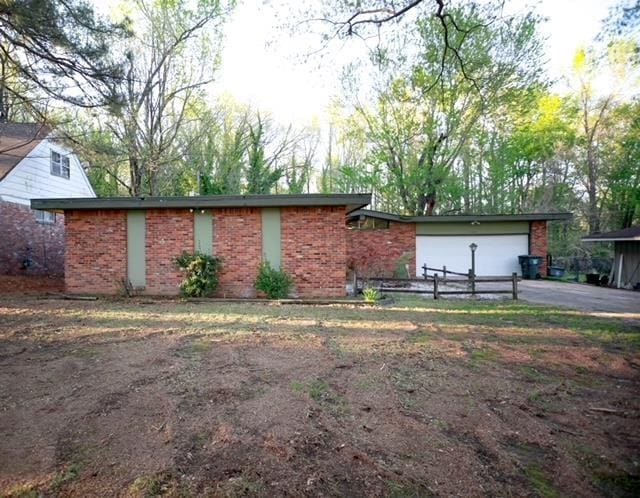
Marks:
<point>351,201</point>
<point>461,218</point>
<point>631,233</point>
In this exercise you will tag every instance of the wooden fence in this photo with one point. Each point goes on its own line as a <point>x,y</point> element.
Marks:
<point>471,281</point>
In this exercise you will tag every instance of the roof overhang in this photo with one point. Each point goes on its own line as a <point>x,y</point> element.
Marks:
<point>460,218</point>
<point>607,239</point>
<point>352,202</point>
<point>629,234</point>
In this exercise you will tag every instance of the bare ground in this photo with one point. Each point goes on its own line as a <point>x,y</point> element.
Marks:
<point>146,398</point>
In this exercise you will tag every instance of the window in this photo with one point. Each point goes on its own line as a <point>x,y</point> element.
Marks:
<point>45,216</point>
<point>59,164</point>
<point>369,224</point>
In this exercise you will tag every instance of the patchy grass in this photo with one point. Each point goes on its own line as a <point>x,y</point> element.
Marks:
<point>65,476</point>
<point>541,482</point>
<point>173,398</point>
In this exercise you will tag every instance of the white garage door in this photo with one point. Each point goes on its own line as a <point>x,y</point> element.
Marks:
<point>495,255</point>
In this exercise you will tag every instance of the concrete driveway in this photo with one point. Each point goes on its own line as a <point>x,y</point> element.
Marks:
<point>581,296</point>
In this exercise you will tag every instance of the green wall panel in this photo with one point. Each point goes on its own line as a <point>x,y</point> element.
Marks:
<point>136,258</point>
<point>203,232</point>
<point>483,228</point>
<point>271,236</point>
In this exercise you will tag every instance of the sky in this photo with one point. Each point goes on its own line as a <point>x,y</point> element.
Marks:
<point>261,63</point>
<point>265,72</point>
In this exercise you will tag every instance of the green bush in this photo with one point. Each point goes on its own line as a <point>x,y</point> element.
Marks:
<point>274,283</point>
<point>370,294</point>
<point>201,273</point>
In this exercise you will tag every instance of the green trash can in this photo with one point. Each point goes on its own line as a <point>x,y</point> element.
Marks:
<point>529,265</point>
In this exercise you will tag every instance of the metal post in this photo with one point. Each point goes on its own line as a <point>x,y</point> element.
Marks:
<point>514,285</point>
<point>444,273</point>
<point>473,248</point>
<point>435,286</point>
<point>355,283</point>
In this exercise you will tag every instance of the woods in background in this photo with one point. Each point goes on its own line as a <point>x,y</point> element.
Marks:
<point>453,114</point>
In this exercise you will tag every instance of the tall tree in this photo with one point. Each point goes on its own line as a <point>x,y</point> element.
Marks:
<point>170,60</point>
<point>423,118</point>
<point>595,107</point>
<point>56,50</point>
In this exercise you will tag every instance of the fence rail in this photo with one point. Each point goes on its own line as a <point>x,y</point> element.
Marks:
<point>437,281</point>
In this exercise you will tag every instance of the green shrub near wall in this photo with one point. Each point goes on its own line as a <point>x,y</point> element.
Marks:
<point>201,273</point>
<point>274,283</point>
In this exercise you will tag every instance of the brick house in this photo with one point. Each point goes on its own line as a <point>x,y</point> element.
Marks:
<point>34,165</point>
<point>113,242</point>
<point>384,244</point>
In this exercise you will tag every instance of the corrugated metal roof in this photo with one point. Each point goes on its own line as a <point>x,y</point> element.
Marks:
<point>631,233</point>
<point>351,201</point>
<point>461,217</point>
<point>16,141</point>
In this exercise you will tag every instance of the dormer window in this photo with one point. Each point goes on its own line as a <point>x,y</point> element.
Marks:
<point>59,164</point>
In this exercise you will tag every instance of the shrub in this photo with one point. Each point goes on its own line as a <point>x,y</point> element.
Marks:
<point>370,294</point>
<point>274,283</point>
<point>201,273</point>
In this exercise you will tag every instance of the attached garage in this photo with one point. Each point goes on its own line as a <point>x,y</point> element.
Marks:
<point>381,246</point>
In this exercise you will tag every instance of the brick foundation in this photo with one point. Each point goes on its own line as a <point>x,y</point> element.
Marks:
<point>538,238</point>
<point>22,238</point>
<point>378,252</point>
<point>314,250</point>
<point>96,251</point>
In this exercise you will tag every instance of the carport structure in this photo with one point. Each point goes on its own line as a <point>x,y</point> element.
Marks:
<point>379,243</point>
<point>625,271</point>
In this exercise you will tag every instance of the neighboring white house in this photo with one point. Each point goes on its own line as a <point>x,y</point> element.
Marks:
<point>34,165</point>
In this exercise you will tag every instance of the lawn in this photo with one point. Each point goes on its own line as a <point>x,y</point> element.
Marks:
<point>417,398</point>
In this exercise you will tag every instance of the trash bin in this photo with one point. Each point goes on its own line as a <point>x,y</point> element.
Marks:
<point>529,265</point>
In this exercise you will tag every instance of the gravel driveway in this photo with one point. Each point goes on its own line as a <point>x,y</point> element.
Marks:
<point>581,296</point>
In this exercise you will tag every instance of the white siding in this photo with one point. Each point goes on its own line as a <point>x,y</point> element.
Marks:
<point>31,178</point>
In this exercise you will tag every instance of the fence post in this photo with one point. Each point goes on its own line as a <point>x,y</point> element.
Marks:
<point>424,271</point>
<point>355,283</point>
<point>444,273</point>
<point>435,286</point>
<point>472,277</point>
<point>514,285</point>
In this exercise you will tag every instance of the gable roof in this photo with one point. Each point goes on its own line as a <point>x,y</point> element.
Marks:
<point>16,141</point>
<point>351,201</point>
<point>459,217</point>
<point>631,233</point>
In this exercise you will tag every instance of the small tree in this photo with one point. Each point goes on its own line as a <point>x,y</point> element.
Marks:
<point>274,283</point>
<point>201,273</point>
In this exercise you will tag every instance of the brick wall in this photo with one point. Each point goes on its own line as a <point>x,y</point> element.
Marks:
<point>169,232</point>
<point>539,243</point>
<point>23,237</point>
<point>314,250</point>
<point>237,237</point>
<point>378,252</point>
<point>96,251</point>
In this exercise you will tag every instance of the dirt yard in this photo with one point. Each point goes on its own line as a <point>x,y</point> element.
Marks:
<point>418,398</point>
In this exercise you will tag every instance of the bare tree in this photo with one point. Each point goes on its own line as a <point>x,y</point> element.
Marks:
<point>169,62</point>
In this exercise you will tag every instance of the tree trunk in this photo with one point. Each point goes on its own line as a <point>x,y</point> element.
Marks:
<point>592,192</point>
